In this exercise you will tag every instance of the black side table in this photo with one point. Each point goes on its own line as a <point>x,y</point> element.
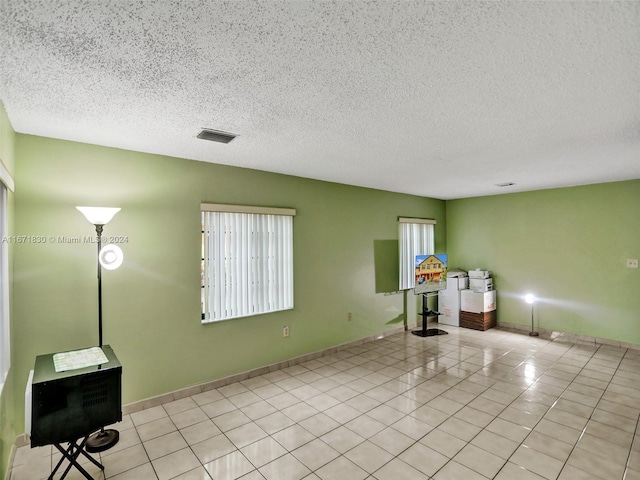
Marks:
<point>67,407</point>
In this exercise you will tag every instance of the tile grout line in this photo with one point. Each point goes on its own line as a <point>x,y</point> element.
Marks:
<point>382,403</point>
<point>542,417</point>
<point>496,416</point>
<point>397,349</point>
<point>453,415</point>
<point>635,432</point>
<point>584,429</point>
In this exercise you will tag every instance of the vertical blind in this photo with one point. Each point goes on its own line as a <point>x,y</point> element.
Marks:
<point>416,238</point>
<point>248,263</point>
<point>4,289</point>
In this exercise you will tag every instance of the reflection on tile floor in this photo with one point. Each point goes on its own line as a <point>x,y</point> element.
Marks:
<point>468,405</point>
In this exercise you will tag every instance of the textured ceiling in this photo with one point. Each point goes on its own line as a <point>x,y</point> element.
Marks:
<point>439,99</point>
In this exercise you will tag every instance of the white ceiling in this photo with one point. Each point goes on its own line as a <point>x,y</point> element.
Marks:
<point>438,99</point>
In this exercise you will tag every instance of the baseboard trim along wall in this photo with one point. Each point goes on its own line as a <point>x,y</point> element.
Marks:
<point>557,336</point>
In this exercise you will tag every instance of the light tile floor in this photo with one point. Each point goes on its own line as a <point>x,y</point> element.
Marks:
<point>468,405</point>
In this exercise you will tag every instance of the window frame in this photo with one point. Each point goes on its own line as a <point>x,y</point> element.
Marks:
<point>6,185</point>
<point>410,246</point>
<point>259,261</point>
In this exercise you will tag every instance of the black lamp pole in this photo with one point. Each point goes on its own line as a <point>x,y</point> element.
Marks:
<point>104,439</point>
<point>532,333</point>
<point>531,300</point>
<point>99,236</point>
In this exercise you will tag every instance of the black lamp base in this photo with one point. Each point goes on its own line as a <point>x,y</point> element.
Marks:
<point>534,334</point>
<point>102,440</point>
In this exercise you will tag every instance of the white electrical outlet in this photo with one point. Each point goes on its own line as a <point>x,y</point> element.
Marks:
<point>285,331</point>
<point>632,263</point>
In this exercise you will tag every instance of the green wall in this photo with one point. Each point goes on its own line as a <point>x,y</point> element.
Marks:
<point>152,303</point>
<point>8,429</point>
<point>568,246</point>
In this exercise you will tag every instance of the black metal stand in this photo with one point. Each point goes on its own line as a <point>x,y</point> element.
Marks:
<point>71,454</point>
<point>426,312</point>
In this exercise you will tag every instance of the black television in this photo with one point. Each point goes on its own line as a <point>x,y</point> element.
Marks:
<point>73,404</point>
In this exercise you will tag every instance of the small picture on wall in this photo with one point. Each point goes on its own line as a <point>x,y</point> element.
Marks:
<point>431,273</point>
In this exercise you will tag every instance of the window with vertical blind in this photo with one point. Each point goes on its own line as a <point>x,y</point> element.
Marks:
<point>247,261</point>
<point>5,345</point>
<point>416,237</point>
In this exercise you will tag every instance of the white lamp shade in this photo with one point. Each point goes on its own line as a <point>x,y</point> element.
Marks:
<point>98,215</point>
<point>111,256</point>
<point>529,298</point>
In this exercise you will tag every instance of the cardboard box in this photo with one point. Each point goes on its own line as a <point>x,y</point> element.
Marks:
<point>478,321</point>
<point>477,302</point>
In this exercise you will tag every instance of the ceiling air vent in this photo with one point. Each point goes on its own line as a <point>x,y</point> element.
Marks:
<point>216,135</point>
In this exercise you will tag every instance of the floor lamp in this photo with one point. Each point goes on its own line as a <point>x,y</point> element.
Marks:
<point>531,299</point>
<point>109,257</point>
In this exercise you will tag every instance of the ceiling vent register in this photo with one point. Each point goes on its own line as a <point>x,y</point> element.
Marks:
<point>216,135</point>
